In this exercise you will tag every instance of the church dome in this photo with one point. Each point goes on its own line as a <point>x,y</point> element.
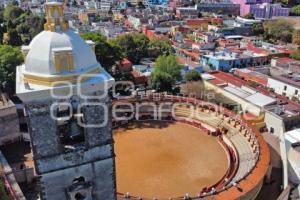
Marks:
<point>59,60</point>
<point>43,48</point>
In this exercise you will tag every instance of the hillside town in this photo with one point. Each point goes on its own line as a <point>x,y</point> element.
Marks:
<point>240,55</point>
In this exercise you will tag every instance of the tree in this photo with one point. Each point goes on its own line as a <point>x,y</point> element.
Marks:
<point>134,46</point>
<point>161,47</point>
<point>296,37</point>
<point>295,10</point>
<point>20,26</point>
<point>161,81</point>
<point>12,38</point>
<point>192,75</point>
<point>35,24</point>
<point>2,27</point>
<point>279,29</point>
<point>165,74</point>
<point>142,42</point>
<point>11,13</point>
<point>106,53</point>
<point>3,194</point>
<point>296,55</point>
<point>98,18</point>
<point>289,3</point>
<point>10,57</point>
<point>249,16</point>
<point>195,89</point>
<point>140,5</point>
<point>257,29</point>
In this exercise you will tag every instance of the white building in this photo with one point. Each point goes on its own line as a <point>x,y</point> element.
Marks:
<point>112,31</point>
<point>243,22</point>
<point>286,85</point>
<point>292,144</point>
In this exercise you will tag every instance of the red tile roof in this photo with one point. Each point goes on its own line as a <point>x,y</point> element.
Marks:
<point>228,78</point>
<point>196,22</point>
<point>190,63</point>
<point>257,50</point>
<point>284,60</point>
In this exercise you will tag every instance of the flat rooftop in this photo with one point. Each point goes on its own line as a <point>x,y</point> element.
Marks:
<point>292,80</point>
<point>227,56</point>
<point>222,79</point>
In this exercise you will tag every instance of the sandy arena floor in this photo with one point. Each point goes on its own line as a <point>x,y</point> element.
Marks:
<point>162,160</point>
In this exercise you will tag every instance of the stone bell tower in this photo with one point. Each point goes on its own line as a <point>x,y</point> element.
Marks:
<point>64,90</point>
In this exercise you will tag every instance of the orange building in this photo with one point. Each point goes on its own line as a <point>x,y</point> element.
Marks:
<point>203,23</point>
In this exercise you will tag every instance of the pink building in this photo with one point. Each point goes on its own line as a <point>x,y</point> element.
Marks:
<point>267,10</point>
<point>261,8</point>
<point>244,6</point>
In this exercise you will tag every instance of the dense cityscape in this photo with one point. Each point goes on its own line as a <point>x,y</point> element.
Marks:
<point>149,99</point>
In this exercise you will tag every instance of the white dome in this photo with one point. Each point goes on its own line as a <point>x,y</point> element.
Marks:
<point>40,57</point>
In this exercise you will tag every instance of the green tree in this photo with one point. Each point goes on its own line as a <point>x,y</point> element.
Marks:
<point>142,42</point>
<point>10,57</point>
<point>12,38</point>
<point>20,26</point>
<point>2,27</point>
<point>140,5</point>
<point>284,2</point>
<point>162,81</point>
<point>98,18</point>
<point>106,53</point>
<point>192,75</point>
<point>134,46</point>
<point>295,10</point>
<point>11,13</point>
<point>165,74</point>
<point>249,16</point>
<point>279,29</point>
<point>3,194</point>
<point>160,47</point>
<point>296,55</point>
<point>257,29</point>
<point>296,37</point>
<point>35,24</point>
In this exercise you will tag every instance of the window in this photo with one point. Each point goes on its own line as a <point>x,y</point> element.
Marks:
<point>285,87</point>
<point>284,94</point>
<point>70,133</point>
<point>272,130</point>
<point>296,92</point>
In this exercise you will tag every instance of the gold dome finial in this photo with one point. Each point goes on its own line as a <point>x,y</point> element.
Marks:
<point>55,17</point>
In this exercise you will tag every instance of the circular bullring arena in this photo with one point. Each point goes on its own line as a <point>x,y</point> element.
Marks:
<point>170,147</point>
